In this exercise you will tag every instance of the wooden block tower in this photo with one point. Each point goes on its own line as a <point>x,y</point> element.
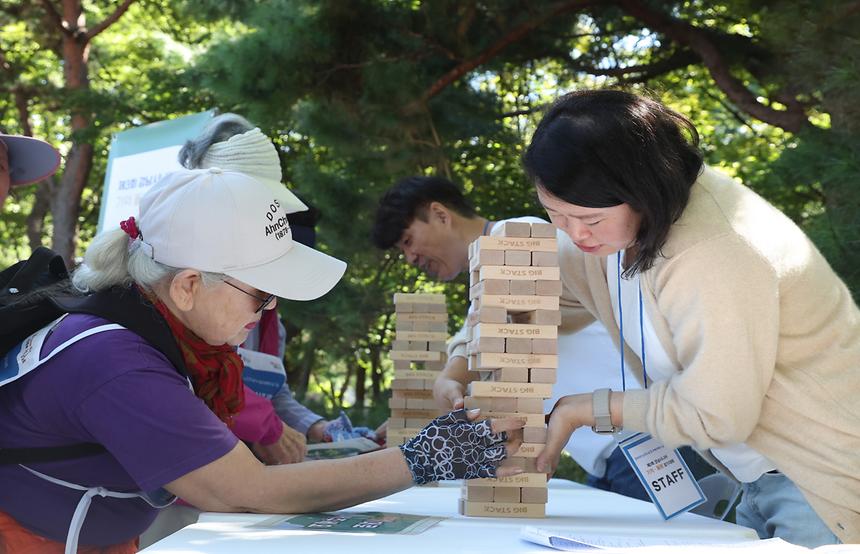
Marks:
<point>514,317</point>
<point>419,354</point>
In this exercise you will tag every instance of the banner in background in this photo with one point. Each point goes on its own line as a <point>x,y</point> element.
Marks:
<point>138,158</point>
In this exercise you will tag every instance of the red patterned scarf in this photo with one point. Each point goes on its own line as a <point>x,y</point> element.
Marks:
<point>216,371</point>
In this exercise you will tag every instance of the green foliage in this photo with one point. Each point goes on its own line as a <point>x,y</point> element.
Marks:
<point>345,89</point>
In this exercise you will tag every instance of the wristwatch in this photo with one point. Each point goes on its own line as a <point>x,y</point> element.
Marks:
<point>600,410</point>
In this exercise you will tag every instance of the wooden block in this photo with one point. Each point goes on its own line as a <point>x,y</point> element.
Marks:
<point>496,360</point>
<point>506,494</point>
<point>530,450</point>
<point>417,345</point>
<point>419,422</point>
<point>400,325</point>
<point>518,346</point>
<point>437,308</point>
<point>525,390</point>
<point>416,374</point>
<point>437,326</point>
<point>398,344</point>
<point>543,230</point>
<point>404,308</point>
<point>411,404</point>
<point>501,404</point>
<point>415,414</point>
<point>501,509</point>
<point>518,303</point>
<point>396,403</point>
<point>415,355</point>
<point>437,346</point>
<point>413,392</point>
<point>428,384</point>
<point>521,288</point>
<point>538,317</point>
<point>474,278</point>
<point>542,375</point>
<point>486,257</point>
<point>420,325</point>
<point>508,330</point>
<point>423,317</point>
<point>477,494</point>
<point>519,273</point>
<point>402,365</point>
<point>513,462</point>
<point>418,308</point>
<point>487,344</point>
<point>518,258</point>
<point>545,259</point>
<point>511,375</point>
<point>521,480</point>
<point>407,384</point>
<point>418,298</point>
<point>534,435</point>
<point>422,335</point>
<point>514,229</point>
<point>483,404</point>
<point>544,346</point>
<point>532,420</point>
<point>396,423</point>
<point>529,405</point>
<point>435,366</point>
<point>547,288</point>
<point>527,244</point>
<point>490,286</point>
<point>487,314</point>
<point>534,495</point>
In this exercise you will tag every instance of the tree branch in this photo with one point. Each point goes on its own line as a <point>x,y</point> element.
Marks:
<point>512,36</point>
<point>54,16</point>
<point>108,21</point>
<point>792,119</point>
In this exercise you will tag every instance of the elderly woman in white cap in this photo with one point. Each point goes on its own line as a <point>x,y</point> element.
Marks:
<point>209,252</point>
<point>24,160</point>
<point>230,142</point>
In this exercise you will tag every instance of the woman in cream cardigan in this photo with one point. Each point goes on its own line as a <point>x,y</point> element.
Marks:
<point>750,342</point>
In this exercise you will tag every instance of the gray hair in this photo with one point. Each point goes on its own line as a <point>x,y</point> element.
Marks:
<point>221,128</point>
<point>111,261</point>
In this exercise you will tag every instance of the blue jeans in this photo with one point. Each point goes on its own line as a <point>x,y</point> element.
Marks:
<point>619,478</point>
<point>774,507</point>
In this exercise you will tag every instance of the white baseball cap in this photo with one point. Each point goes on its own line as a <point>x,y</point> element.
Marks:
<point>30,159</point>
<point>231,223</point>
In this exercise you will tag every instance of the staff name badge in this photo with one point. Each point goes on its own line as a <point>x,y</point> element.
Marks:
<point>263,373</point>
<point>663,473</point>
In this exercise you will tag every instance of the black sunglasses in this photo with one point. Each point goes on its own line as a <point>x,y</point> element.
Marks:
<point>265,301</point>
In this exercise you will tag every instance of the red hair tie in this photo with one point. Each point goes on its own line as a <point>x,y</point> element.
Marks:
<point>130,227</point>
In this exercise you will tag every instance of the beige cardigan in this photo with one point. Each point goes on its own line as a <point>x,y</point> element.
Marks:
<point>767,335</point>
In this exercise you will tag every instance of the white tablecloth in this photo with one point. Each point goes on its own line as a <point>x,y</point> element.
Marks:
<point>571,507</point>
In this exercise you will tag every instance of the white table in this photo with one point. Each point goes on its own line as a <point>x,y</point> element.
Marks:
<point>571,506</point>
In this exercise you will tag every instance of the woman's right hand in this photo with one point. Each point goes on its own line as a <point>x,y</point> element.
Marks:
<point>455,446</point>
<point>448,393</point>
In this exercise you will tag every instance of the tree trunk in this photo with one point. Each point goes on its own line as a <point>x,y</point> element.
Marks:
<point>360,384</point>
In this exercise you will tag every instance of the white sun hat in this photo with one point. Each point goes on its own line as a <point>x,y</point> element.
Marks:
<point>254,154</point>
<point>231,223</point>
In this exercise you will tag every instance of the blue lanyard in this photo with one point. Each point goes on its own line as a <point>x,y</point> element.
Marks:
<point>621,330</point>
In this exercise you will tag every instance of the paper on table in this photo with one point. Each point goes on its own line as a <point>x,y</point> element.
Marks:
<point>571,541</point>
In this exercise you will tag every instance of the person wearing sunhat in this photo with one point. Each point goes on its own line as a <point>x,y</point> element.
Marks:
<point>208,253</point>
<point>23,161</point>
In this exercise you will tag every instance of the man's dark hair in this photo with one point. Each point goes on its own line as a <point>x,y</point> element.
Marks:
<point>408,199</point>
<point>602,148</point>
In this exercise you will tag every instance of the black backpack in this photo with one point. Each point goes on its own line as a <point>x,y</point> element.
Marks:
<point>35,292</point>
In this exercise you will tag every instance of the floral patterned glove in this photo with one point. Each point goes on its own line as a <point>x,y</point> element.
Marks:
<point>452,447</point>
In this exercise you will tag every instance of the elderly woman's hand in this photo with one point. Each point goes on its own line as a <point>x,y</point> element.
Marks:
<point>454,446</point>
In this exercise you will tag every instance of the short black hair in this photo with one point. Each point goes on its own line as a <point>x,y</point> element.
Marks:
<point>602,148</point>
<point>408,199</point>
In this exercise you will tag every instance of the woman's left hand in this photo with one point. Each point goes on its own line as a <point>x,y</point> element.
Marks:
<point>568,414</point>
